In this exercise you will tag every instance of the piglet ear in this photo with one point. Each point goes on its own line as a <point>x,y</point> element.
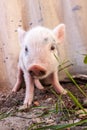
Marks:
<point>59,31</point>
<point>21,35</point>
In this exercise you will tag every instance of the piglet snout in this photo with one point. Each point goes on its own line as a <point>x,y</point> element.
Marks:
<point>37,71</point>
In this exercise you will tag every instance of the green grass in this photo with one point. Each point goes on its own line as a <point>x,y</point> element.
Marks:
<point>85,59</point>
<point>58,127</point>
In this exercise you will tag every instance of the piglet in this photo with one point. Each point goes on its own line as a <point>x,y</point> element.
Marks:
<point>37,61</point>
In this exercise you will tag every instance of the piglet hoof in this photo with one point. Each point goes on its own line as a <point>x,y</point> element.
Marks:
<point>24,107</point>
<point>64,92</point>
<point>14,90</point>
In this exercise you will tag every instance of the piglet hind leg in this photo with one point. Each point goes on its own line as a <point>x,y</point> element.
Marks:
<point>38,84</point>
<point>19,80</point>
<point>56,84</point>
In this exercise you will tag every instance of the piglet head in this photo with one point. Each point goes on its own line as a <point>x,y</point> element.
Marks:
<point>38,49</point>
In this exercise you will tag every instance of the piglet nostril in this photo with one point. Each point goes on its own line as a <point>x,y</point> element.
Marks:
<point>31,73</point>
<point>41,73</point>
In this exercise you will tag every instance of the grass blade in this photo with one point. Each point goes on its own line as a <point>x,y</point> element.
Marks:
<point>75,100</point>
<point>85,60</point>
<point>61,127</point>
<point>71,78</point>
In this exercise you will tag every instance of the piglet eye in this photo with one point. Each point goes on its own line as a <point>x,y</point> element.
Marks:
<point>26,49</point>
<point>52,48</point>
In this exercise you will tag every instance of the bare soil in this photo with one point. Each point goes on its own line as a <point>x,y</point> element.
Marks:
<point>41,111</point>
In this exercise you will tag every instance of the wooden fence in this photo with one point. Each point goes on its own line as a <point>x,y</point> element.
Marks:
<point>49,13</point>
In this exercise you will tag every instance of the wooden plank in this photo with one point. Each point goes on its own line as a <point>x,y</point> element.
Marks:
<point>73,13</point>
<point>49,13</point>
<point>75,17</point>
<point>40,12</point>
<point>9,48</point>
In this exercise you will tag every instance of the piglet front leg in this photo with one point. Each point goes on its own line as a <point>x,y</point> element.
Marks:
<point>29,89</point>
<point>29,92</point>
<point>56,84</point>
<point>19,80</point>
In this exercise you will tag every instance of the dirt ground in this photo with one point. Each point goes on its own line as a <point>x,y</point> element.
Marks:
<point>41,111</point>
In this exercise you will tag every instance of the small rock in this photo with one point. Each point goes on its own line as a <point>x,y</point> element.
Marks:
<point>3,96</point>
<point>49,121</point>
<point>48,99</point>
<point>85,102</point>
<point>36,120</point>
<point>36,103</point>
<point>81,114</point>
